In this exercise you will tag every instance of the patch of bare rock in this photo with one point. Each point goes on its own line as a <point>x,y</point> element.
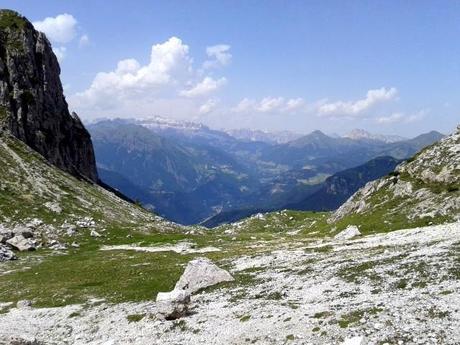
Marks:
<point>395,288</point>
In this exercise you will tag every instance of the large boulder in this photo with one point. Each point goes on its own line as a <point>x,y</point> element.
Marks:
<point>201,273</point>
<point>350,232</point>
<point>19,242</point>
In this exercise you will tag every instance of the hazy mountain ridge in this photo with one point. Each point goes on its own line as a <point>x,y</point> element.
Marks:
<point>188,172</point>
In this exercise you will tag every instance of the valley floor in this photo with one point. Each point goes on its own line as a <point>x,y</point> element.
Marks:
<point>401,287</point>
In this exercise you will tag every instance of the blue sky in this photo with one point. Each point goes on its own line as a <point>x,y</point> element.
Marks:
<point>385,66</point>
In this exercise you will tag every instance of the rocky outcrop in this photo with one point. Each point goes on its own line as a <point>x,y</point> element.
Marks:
<point>32,104</point>
<point>422,190</point>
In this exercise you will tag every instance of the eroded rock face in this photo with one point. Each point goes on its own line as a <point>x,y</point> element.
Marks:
<point>32,104</point>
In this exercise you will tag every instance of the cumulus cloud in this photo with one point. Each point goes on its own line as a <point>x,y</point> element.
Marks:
<point>208,107</point>
<point>294,104</point>
<point>60,29</point>
<point>204,87</point>
<point>355,108</point>
<point>169,64</point>
<point>401,117</point>
<point>269,105</point>
<point>219,56</point>
<point>163,85</point>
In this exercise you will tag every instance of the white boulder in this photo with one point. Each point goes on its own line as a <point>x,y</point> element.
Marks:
<point>201,273</point>
<point>21,243</point>
<point>172,305</point>
<point>350,232</point>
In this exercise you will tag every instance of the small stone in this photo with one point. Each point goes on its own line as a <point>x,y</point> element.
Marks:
<point>94,233</point>
<point>25,303</point>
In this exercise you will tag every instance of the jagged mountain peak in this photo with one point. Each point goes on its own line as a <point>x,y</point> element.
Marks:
<point>32,104</point>
<point>361,134</point>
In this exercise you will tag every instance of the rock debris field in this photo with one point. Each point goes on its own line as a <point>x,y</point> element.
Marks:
<point>396,288</point>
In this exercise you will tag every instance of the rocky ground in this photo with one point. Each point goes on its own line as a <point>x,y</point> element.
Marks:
<point>396,288</point>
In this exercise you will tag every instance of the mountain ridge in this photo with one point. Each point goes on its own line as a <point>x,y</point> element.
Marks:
<point>32,104</point>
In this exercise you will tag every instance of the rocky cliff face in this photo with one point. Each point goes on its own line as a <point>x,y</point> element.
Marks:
<point>423,190</point>
<point>32,104</point>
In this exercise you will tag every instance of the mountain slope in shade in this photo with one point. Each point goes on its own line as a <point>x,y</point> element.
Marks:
<point>339,187</point>
<point>183,180</point>
<point>53,200</point>
<point>326,196</point>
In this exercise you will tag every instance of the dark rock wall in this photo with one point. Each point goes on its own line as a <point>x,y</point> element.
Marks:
<point>32,104</point>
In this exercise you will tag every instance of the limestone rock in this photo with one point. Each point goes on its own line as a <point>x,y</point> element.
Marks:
<point>6,254</point>
<point>32,104</point>
<point>173,305</point>
<point>350,232</point>
<point>23,304</point>
<point>21,243</point>
<point>201,273</point>
<point>94,233</point>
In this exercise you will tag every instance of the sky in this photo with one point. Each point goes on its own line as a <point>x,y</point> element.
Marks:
<point>390,67</point>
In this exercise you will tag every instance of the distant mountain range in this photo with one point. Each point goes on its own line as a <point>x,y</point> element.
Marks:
<point>189,172</point>
<point>359,134</point>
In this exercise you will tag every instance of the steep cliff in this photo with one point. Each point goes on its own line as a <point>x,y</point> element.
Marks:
<point>32,104</point>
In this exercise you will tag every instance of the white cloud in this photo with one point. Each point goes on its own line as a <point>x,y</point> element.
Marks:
<point>400,117</point>
<point>161,86</point>
<point>355,108</point>
<point>204,87</point>
<point>208,107</point>
<point>59,29</point>
<point>60,52</point>
<point>84,41</point>
<point>169,64</point>
<point>219,56</point>
<point>294,104</point>
<point>395,117</point>
<point>269,105</point>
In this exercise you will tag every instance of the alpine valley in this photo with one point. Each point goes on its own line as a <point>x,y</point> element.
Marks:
<point>192,174</point>
<point>315,239</point>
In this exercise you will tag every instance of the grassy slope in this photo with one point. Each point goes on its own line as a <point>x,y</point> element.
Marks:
<point>51,278</point>
<point>426,204</point>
